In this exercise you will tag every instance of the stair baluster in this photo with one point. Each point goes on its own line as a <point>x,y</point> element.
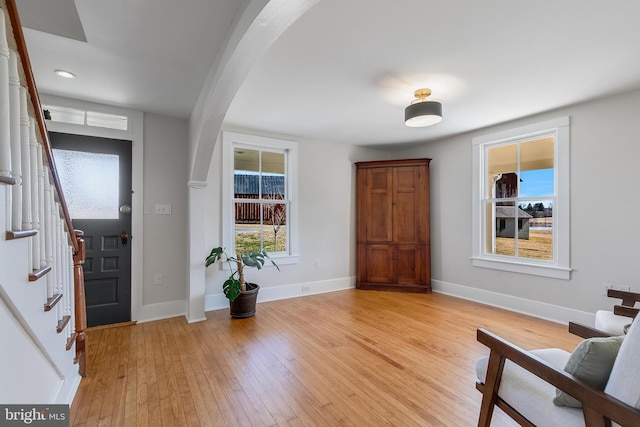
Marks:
<point>5,136</point>
<point>35,209</point>
<point>25,163</point>
<point>41,209</point>
<point>14,129</point>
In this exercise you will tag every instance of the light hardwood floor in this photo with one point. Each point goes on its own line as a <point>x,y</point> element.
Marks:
<point>357,358</point>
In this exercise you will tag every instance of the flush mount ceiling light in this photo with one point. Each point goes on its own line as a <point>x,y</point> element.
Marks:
<point>65,74</point>
<point>422,112</point>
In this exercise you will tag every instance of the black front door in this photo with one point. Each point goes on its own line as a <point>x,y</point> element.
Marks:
<point>96,182</point>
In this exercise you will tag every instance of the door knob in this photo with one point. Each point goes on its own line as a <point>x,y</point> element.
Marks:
<point>125,209</point>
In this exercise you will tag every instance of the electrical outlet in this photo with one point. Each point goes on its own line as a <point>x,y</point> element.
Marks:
<point>605,288</point>
<point>317,263</point>
<point>306,289</point>
<point>621,288</point>
<point>159,280</point>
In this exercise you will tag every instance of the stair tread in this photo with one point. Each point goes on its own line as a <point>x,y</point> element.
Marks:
<point>71,340</point>
<point>37,274</point>
<point>51,302</point>
<point>62,323</point>
<point>20,234</point>
<point>7,180</point>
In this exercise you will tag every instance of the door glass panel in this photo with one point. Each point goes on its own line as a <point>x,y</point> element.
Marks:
<point>90,183</point>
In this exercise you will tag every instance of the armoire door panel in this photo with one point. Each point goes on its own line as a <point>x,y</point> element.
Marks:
<point>406,190</point>
<point>380,205</point>
<point>410,262</point>
<point>405,220</point>
<point>379,180</point>
<point>424,231</point>
<point>380,224</point>
<point>405,179</point>
<point>380,261</point>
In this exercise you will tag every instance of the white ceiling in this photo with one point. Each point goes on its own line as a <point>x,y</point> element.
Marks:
<point>150,55</point>
<point>345,71</point>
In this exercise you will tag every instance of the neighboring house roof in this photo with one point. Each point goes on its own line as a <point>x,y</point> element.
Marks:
<point>509,212</point>
<point>248,184</point>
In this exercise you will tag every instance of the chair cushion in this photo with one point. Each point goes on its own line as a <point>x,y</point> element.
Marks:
<point>611,323</point>
<point>624,381</point>
<point>531,396</point>
<point>591,362</point>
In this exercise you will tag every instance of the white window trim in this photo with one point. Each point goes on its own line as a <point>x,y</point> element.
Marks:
<point>260,142</point>
<point>560,267</point>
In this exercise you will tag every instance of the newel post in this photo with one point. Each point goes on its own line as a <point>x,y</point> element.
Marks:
<point>80,304</point>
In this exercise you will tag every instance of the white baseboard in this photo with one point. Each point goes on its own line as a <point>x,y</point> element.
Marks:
<point>68,390</point>
<point>163,310</point>
<point>274,293</point>
<point>554,313</point>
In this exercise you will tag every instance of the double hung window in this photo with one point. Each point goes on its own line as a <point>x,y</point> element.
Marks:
<point>260,206</point>
<point>521,200</point>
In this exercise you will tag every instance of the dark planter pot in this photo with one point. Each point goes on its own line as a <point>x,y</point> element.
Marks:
<point>245,304</point>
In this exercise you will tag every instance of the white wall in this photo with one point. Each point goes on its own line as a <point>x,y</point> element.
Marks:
<point>165,236</point>
<point>605,148</point>
<point>28,376</point>
<point>327,224</point>
<point>36,367</point>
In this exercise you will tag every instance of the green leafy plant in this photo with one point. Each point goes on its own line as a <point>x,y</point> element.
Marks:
<point>235,283</point>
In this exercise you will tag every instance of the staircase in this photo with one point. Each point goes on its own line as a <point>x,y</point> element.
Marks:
<point>42,307</point>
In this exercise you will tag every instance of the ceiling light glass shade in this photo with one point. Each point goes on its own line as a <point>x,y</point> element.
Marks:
<point>423,113</point>
<point>65,74</point>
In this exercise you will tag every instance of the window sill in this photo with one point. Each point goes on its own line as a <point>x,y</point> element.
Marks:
<point>282,260</point>
<point>279,260</point>
<point>552,271</point>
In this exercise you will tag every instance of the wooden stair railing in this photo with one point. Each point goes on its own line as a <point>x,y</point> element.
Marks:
<point>80,314</point>
<point>76,311</point>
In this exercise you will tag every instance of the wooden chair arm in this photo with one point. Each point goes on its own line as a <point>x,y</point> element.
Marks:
<point>628,298</point>
<point>585,331</point>
<point>623,310</point>
<point>597,406</point>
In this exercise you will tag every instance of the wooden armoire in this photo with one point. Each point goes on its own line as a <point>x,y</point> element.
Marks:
<point>393,236</point>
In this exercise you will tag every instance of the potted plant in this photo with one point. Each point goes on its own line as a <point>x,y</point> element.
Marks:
<point>242,295</point>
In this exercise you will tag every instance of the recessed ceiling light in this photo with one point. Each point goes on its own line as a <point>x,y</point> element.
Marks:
<point>65,74</point>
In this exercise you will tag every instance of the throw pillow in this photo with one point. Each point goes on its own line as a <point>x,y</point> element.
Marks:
<point>591,362</point>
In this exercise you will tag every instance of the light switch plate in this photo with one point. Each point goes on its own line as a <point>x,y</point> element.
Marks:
<point>163,209</point>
